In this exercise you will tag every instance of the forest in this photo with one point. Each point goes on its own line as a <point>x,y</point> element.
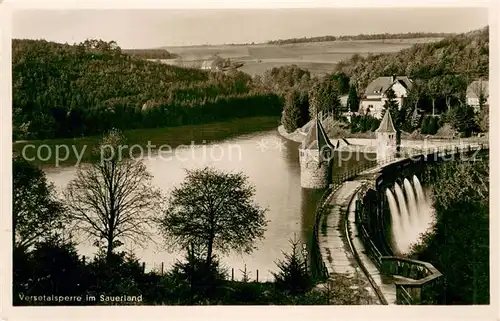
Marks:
<point>458,244</point>
<point>62,91</point>
<point>150,53</point>
<point>464,55</point>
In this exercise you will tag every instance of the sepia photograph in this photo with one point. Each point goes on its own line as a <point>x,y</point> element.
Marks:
<point>281,156</point>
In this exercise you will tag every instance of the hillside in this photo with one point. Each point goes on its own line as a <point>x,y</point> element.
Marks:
<point>378,36</point>
<point>149,53</point>
<point>464,55</point>
<point>61,90</point>
<point>317,57</point>
<point>441,72</point>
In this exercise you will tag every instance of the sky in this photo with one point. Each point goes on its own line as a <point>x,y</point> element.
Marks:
<point>146,28</point>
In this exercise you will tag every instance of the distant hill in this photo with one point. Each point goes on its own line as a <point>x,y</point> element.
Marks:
<point>62,90</point>
<point>465,55</point>
<point>150,53</point>
<point>379,36</point>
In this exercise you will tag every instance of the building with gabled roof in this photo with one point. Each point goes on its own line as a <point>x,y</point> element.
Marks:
<point>374,97</point>
<point>315,157</point>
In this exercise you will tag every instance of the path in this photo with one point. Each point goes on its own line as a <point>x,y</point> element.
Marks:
<point>384,283</point>
<point>333,243</point>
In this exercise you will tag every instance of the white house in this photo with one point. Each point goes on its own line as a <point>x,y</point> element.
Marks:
<point>475,90</point>
<point>210,65</point>
<point>374,97</point>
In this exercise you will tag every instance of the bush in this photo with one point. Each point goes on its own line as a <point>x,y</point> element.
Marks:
<point>364,123</point>
<point>195,281</point>
<point>114,275</point>
<point>462,118</point>
<point>446,131</point>
<point>52,267</point>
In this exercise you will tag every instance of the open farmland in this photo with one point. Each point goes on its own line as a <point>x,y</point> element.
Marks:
<point>318,57</point>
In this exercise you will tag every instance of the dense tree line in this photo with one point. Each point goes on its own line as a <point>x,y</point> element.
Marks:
<point>378,36</point>
<point>62,90</point>
<point>305,96</point>
<point>283,79</point>
<point>150,53</point>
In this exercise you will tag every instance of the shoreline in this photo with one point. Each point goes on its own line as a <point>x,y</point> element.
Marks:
<point>174,137</point>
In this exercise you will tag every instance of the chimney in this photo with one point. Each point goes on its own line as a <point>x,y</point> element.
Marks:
<point>393,78</point>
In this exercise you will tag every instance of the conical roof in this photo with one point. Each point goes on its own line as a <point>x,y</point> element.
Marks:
<point>316,138</point>
<point>386,125</point>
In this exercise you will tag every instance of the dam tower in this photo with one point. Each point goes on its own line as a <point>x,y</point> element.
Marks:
<point>316,158</point>
<point>386,138</point>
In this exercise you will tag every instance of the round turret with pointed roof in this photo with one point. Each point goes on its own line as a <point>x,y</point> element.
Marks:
<point>316,137</point>
<point>315,157</point>
<point>386,125</point>
<point>386,138</point>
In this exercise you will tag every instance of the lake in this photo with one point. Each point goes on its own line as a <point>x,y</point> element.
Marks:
<point>272,166</point>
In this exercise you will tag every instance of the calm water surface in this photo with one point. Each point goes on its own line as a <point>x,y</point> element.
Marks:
<point>272,165</point>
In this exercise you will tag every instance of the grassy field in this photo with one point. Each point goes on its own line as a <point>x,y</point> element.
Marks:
<point>173,137</point>
<point>318,57</point>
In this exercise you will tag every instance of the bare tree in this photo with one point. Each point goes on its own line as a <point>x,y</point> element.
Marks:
<point>214,210</point>
<point>112,198</point>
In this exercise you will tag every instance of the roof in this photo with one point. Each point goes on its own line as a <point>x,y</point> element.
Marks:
<point>476,87</point>
<point>381,84</point>
<point>386,125</point>
<point>316,138</point>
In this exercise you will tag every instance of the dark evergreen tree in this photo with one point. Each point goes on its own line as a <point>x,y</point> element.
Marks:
<point>293,276</point>
<point>433,126</point>
<point>340,82</point>
<point>425,126</point>
<point>462,118</point>
<point>295,111</point>
<point>353,99</point>
<point>197,281</point>
<point>324,97</point>
<point>392,105</point>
